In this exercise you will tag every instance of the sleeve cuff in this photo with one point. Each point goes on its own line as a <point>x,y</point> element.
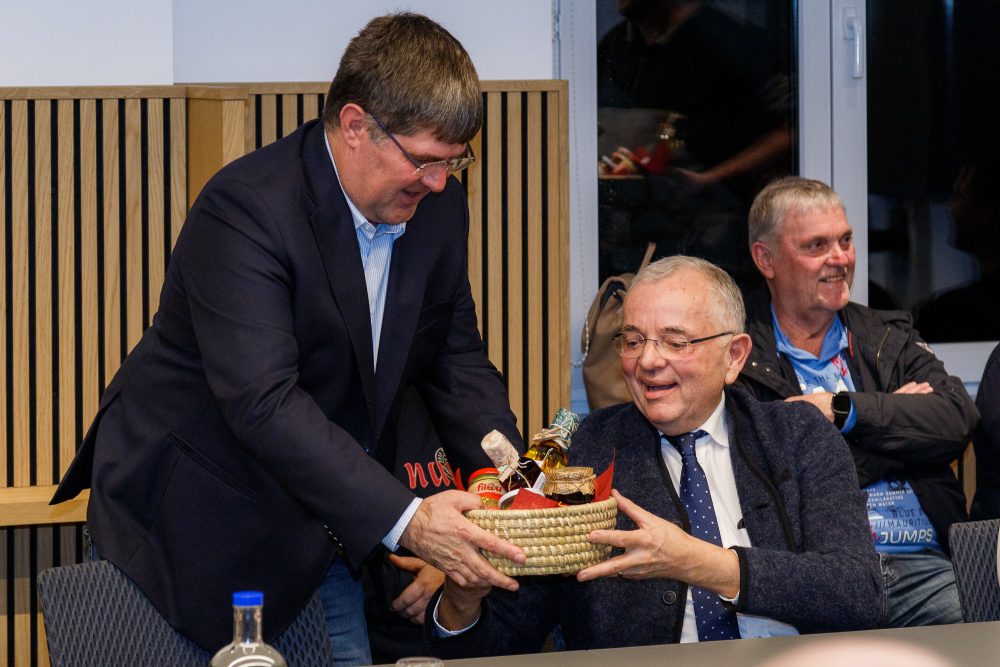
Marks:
<point>391,540</point>
<point>852,419</point>
<point>440,632</point>
<point>734,603</point>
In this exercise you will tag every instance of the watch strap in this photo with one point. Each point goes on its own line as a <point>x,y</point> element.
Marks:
<point>841,406</point>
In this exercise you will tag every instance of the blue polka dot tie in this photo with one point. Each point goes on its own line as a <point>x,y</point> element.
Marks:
<point>714,621</point>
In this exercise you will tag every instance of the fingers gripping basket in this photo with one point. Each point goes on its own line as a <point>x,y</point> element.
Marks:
<point>554,539</point>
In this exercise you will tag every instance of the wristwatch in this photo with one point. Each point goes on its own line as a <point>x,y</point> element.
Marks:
<point>841,406</point>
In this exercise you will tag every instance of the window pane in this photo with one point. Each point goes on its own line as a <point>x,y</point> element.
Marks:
<point>934,240</point>
<point>696,113</point>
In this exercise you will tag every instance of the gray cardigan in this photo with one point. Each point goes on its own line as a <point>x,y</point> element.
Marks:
<point>812,563</point>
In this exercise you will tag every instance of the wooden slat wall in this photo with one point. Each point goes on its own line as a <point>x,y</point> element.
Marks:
<point>94,186</point>
<point>92,195</point>
<point>519,240</point>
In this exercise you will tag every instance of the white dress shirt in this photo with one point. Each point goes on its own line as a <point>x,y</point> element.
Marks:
<point>713,454</point>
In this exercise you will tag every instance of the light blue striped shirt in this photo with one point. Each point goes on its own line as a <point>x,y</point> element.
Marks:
<point>375,242</point>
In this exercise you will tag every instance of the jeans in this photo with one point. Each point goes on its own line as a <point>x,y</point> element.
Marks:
<point>92,553</point>
<point>344,608</point>
<point>919,590</point>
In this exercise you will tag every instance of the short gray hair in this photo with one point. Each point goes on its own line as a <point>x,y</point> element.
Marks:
<point>785,195</point>
<point>728,302</point>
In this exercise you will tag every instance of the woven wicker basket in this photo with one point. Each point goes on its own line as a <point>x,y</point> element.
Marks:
<point>554,539</point>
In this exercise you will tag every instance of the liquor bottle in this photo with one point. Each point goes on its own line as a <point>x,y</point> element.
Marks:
<point>549,450</point>
<point>248,648</point>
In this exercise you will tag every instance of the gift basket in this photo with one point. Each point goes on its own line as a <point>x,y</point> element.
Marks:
<point>554,539</point>
<point>547,508</point>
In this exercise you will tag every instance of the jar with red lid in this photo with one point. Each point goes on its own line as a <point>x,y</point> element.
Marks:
<point>486,483</point>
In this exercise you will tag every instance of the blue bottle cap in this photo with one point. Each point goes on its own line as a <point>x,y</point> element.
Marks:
<point>248,599</point>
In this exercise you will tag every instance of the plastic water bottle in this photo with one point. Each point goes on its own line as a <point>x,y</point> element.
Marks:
<point>248,648</point>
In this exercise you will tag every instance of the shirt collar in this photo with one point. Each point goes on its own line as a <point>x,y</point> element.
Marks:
<point>834,342</point>
<point>715,425</point>
<point>360,221</point>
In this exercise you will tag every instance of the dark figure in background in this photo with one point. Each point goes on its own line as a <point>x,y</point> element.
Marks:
<point>733,104</point>
<point>986,441</point>
<point>247,441</point>
<point>972,312</point>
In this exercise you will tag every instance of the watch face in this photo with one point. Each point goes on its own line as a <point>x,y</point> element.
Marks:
<point>841,403</point>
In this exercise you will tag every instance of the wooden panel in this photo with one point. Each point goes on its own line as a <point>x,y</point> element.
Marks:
<point>92,193</point>
<point>25,633</point>
<point>177,155</point>
<point>5,373</point>
<point>20,225</point>
<point>267,112</point>
<point>215,134</point>
<point>40,276</point>
<point>289,114</point>
<point>108,188</point>
<point>154,216</point>
<point>29,506</point>
<point>90,321</point>
<point>494,277</point>
<point>132,239</point>
<point>556,195</point>
<point>472,179</point>
<point>512,256</point>
<point>91,92</point>
<point>65,430</point>
<point>537,323</point>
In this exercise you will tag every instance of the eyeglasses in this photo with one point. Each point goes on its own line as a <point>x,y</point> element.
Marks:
<point>631,344</point>
<point>450,166</point>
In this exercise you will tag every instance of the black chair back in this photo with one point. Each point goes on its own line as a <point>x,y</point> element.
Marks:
<point>974,554</point>
<point>96,616</point>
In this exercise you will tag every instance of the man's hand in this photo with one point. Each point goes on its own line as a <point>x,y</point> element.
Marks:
<point>460,606</point>
<point>915,388</point>
<point>412,602</point>
<point>823,400</point>
<point>660,549</point>
<point>442,536</point>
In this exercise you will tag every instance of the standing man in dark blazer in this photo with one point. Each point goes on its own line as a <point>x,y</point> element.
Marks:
<point>244,443</point>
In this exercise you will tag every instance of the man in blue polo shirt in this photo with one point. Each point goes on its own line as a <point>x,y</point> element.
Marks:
<point>869,372</point>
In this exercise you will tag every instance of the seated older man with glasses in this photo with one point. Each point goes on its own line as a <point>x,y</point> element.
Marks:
<point>753,525</point>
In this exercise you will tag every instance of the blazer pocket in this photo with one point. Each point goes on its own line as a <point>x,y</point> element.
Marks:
<point>210,466</point>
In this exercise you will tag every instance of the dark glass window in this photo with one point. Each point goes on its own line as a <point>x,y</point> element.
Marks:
<point>934,200</point>
<point>696,111</point>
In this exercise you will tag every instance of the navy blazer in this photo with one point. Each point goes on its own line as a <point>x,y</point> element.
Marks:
<point>247,435</point>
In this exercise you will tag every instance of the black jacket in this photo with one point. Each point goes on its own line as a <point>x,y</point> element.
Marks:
<point>907,437</point>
